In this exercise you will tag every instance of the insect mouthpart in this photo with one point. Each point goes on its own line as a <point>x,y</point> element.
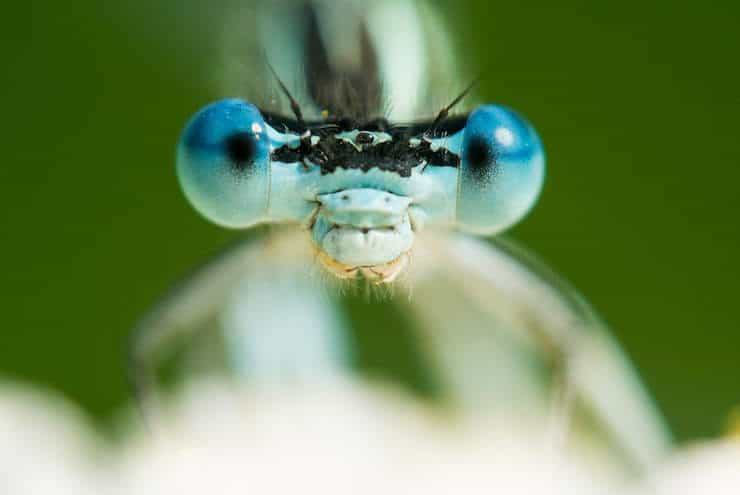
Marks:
<point>364,231</point>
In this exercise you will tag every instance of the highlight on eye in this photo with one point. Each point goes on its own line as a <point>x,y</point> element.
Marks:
<point>223,163</point>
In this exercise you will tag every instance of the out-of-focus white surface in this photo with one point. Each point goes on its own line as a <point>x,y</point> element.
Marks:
<point>341,438</point>
<point>330,439</point>
<point>46,447</point>
<point>712,468</point>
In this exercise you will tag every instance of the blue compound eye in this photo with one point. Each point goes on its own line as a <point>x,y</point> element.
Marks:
<point>502,170</point>
<point>223,163</point>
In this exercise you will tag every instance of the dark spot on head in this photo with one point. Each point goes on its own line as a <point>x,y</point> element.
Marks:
<point>364,138</point>
<point>241,150</point>
<point>480,156</point>
<point>347,124</point>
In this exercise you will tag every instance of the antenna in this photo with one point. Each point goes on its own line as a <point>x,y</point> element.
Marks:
<point>446,110</point>
<point>296,108</point>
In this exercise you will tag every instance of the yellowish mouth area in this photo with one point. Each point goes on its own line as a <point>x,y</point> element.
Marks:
<point>378,274</point>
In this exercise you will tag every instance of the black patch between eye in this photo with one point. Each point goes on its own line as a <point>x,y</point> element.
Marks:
<point>392,156</point>
<point>241,150</point>
<point>480,156</point>
<point>397,155</point>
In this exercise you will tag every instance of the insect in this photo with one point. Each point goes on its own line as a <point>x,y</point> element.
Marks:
<point>373,194</point>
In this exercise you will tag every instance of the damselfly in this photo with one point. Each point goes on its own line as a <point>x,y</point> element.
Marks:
<point>370,191</point>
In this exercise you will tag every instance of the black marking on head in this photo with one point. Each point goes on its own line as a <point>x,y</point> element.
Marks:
<point>480,156</point>
<point>379,124</point>
<point>364,138</point>
<point>353,92</point>
<point>396,155</point>
<point>241,149</point>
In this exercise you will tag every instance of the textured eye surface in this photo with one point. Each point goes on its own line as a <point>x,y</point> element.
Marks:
<point>223,163</point>
<point>501,172</point>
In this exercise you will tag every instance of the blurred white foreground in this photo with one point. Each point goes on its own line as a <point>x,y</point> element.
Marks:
<point>337,438</point>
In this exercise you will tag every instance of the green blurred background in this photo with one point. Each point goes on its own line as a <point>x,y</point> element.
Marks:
<point>637,102</point>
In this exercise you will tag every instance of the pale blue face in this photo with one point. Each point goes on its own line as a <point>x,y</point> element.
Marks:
<point>363,192</point>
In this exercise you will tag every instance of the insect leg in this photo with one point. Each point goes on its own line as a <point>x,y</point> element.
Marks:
<point>494,316</point>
